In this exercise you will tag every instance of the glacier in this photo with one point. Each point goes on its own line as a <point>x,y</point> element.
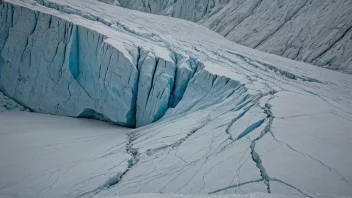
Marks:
<point>199,113</point>
<point>311,31</point>
<point>100,73</point>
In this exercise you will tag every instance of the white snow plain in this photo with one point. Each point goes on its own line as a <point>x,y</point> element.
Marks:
<point>214,117</point>
<point>53,156</point>
<point>249,195</point>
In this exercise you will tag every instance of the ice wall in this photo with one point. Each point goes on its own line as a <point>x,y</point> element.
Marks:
<point>7,104</point>
<point>54,66</point>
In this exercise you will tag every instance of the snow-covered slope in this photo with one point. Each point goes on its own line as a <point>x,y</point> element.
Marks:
<point>313,31</point>
<point>213,116</point>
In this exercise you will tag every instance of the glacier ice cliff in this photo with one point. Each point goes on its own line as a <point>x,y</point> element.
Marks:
<point>81,74</point>
<point>306,30</point>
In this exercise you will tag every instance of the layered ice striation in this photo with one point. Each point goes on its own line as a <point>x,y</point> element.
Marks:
<point>83,73</point>
<point>77,74</point>
<point>7,104</point>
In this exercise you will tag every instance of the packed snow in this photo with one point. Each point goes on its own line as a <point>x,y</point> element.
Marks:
<point>212,117</point>
<point>53,156</point>
<point>249,195</point>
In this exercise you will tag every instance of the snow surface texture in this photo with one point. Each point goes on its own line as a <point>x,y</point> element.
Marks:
<point>52,156</point>
<point>7,104</point>
<point>217,117</point>
<point>313,31</point>
<point>249,195</point>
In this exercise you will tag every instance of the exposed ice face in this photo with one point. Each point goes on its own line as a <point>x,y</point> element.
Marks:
<point>310,31</point>
<point>64,77</point>
<point>7,104</point>
<point>84,74</point>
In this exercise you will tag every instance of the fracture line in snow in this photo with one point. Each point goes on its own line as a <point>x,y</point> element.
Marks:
<point>250,129</point>
<point>236,185</point>
<point>256,157</point>
<point>235,120</point>
<point>343,178</point>
<point>238,172</point>
<point>246,132</point>
<point>287,74</point>
<point>118,177</point>
<point>179,142</point>
<point>245,102</point>
<point>134,153</point>
<point>289,185</point>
